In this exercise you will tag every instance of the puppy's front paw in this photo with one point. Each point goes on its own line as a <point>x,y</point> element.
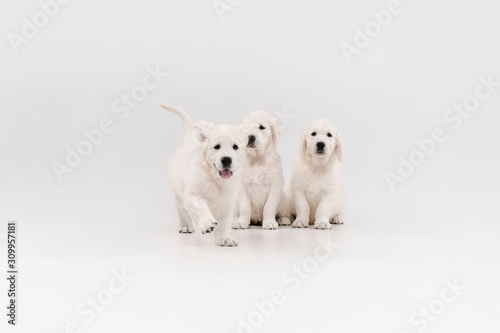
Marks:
<point>207,226</point>
<point>338,220</point>
<point>240,224</point>
<point>226,240</point>
<point>298,223</point>
<point>269,225</point>
<point>322,225</point>
<point>284,221</point>
<point>186,230</point>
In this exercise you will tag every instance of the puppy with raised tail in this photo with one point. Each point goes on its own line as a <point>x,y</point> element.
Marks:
<point>205,173</point>
<point>261,198</point>
<point>316,196</point>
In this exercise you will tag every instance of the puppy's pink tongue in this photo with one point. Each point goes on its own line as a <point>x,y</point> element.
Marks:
<point>226,174</point>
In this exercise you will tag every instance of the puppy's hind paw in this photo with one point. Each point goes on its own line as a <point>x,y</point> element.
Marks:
<point>239,224</point>
<point>322,225</point>
<point>226,240</point>
<point>284,220</point>
<point>338,220</point>
<point>186,230</point>
<point>270,225</point>
<point>300,224</point>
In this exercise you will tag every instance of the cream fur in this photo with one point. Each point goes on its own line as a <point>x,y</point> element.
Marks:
<point>315,188</point>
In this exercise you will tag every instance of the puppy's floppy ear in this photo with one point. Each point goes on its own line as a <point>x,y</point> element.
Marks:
<point>203,127</point>
<point>339,148</point>
<point>303,146</point>
<point>276,130</point>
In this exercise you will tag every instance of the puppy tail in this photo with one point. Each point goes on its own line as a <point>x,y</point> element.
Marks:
<point>186,119</point>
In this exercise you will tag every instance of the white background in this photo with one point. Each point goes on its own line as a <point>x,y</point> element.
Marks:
<point>115,210</point>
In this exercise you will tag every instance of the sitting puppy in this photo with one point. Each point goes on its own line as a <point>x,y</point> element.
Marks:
<point>205,176</point>
<point>315,184</point>
<point>261,198</point>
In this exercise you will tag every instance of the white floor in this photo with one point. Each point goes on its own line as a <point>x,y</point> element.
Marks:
<point>372,282</point>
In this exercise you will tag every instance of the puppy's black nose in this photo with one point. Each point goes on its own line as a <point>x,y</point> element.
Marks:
<point>226,162</point>
<point>251,139</point>
<point>320,145</point>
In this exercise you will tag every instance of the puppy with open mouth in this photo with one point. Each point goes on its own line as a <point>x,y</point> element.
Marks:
<point>261,198</point>
<point>316,194</point>
<point>205,173</point>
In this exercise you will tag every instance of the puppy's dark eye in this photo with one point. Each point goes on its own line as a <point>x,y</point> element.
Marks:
<point>235,147</point>
<point>217,147</point>
<point>313,133</point>
<point>329,135</point>
<point>262,128</point>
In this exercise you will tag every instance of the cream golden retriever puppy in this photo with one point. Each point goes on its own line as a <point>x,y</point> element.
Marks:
<point>261,197</point>
<point>205,173</point>
<point>315,190</point>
